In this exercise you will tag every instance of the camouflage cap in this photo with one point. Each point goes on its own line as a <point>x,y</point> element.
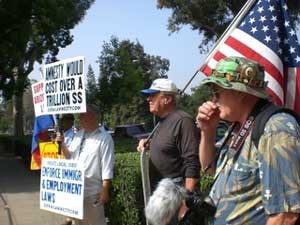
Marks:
<point>240,74</point>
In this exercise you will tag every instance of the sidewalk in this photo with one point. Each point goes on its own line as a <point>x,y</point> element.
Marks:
<point>19,195</point>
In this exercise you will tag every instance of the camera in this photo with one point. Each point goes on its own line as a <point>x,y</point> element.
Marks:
<point>201,209</point>
<point>51,133</point>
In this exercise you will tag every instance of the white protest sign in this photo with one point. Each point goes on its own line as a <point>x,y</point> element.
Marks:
<point>38,96</point>
<point>64,86</point>
<point>62,187</point>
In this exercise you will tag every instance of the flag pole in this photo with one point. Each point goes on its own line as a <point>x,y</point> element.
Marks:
<point>236,20</point>
<point>143,158</point>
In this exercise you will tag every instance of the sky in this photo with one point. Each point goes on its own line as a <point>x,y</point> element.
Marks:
<point>136,20</point>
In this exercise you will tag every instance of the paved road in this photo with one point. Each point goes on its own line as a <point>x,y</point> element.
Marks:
<point>19,195</point>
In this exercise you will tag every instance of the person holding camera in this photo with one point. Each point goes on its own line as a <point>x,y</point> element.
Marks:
<point>93,147</point>
<point>174,146</point>
<point>253,184</point>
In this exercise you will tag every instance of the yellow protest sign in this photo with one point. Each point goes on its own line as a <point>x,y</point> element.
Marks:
<point>47,149</point>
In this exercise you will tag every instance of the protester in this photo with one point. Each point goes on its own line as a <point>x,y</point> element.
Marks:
<point>252,185</point>
<point>174,146</point>
<point>94,147</point>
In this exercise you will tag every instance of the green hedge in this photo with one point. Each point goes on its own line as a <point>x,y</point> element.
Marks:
<point>127,205</point>
<point>123,144</point>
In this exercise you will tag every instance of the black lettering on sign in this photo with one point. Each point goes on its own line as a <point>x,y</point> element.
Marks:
<point>58,99</point>
<point>75,68</point>
<point>77,97</point>
<point>80,85</point>
<point>51,87</point>
<point>54,72</point>
<point>67,84</point>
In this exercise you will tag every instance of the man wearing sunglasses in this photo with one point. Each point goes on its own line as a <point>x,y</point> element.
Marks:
<point>253,185</point>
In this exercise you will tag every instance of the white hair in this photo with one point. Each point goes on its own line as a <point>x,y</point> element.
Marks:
<point>164,202</point>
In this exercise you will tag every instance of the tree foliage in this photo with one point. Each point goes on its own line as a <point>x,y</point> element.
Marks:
<point>29,30</point>
<point>28,109</point>
<point>125,69</point>
<point>210,17</point>
<point>6,116</point>
<point>91,86</point>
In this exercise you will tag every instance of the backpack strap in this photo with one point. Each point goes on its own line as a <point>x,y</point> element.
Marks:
<point>262,118</point>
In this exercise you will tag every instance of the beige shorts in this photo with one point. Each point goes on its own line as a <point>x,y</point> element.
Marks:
<point>93,214</point>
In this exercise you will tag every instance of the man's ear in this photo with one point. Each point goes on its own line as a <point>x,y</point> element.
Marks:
<point>168,99</point>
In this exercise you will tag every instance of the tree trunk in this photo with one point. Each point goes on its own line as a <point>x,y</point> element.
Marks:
<point>18,115</point>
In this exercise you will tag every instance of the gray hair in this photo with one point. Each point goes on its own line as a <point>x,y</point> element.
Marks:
<point>164,202</point>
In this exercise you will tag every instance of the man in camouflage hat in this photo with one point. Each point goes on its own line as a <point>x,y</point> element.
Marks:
<point>253,185</point>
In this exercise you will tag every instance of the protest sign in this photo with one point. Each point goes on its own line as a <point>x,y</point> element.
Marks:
<point>38,97</point>
<point>65,86</point>
<point>48,149</point>
<point>62,187</point>
<point>62,89</point>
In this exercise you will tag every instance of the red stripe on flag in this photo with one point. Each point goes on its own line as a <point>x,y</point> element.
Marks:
<point>297,92</point>
<point>275,97</point>
<point>285,78</point>
<point>218,56</point>
<point>207,70</point>
<point>251,54</point>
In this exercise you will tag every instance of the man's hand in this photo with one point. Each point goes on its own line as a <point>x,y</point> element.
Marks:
<point>59,137</point>
<point>104,194</point>
<point>208,116</point>
<point>182,211</point>
<point>143,145</point>
<point>287,218</point>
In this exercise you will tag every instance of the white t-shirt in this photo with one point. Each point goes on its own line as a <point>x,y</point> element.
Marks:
<point>96,151</point>
<point>69,135</point>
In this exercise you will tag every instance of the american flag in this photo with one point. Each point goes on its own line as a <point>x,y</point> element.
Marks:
<point>264,34</point>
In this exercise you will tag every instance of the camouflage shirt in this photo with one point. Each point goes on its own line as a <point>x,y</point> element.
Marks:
<point>259,182</point>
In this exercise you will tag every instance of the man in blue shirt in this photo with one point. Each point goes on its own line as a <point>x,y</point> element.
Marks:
<point>253,185</point>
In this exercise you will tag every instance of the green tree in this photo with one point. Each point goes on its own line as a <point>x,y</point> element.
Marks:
<point>31,29</point>
<point>91,86</point>
<point>210,17</point>
<point>125,69</point>
<point>28,109</point>
<point>6,116</point>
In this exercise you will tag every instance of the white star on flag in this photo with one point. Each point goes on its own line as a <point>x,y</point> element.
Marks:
<point>267,36</point>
